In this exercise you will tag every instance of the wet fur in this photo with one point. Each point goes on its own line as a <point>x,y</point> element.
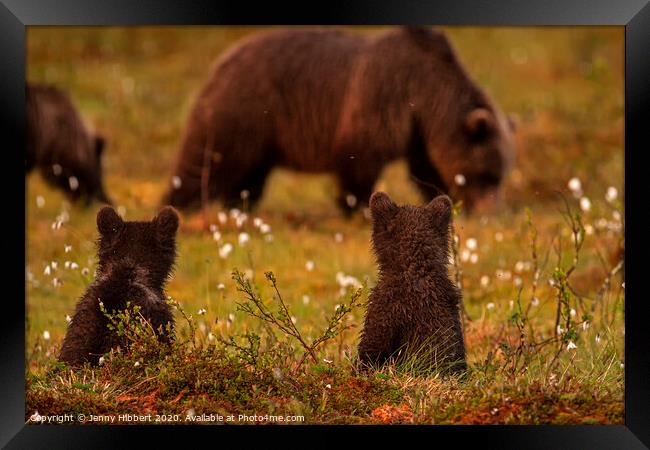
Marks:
<point>135,260</point>
<point>414,305</point>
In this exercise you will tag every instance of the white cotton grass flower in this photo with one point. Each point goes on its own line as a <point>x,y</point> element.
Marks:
<point>328,361</point>
<point>221,286</point>
<point>589,229</point>
<point>347,280</point>
<point>471,244</point>
<point>338,237</point>
<point>257,222</point>
<point>231,317</point>
<point>571,346</point>
<point>328,386</point>
<point>585,204</point>
<point>485,281</point>
<point>294,320</point>
<point>305,299</point>
<point>56,282</point>
<point>597,339</point>
<point>559,330</point>
<point>54,264</point>
<point>585,325</point>
<point>67,248</point>
<point>47,270</point>
<point>216,236</point>
<point>473,258</point>
<point>265,228</point>
<point>575,186</point>
<point>68,319</point>
<point>572,312</point>
<point>57,169</point>
<point>534,301</point>
<point>612,194</point>
<point>222,217</point>
<point>244,194</point>
<point>234,213</point>
<point>518,281</point>
<point>460,179</point>
<point>616,216</point>
<point>176,182</point>
<point>498,236</point>
<point>73,182</point>
<point>490,306</point>
<point>40,201</point>
<point>213,227</point>
<point>309,266</point>
<point>241,219</point>
<point>243,239</point>
<point>46,335</point>
<point>225,250</point>
<point>351,200</point>
<point>101,360</point>
<point>137,364</point>
<point>210,336</point>
<point>202,311</point>
<point>465,255</point>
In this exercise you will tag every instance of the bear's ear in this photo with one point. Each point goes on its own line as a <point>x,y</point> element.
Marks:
<point>166,223</point>
<point>441,206</point>
<point>100,143</point>
<point>382,208</point>
<point>479,123</point>
<point>109,222</point>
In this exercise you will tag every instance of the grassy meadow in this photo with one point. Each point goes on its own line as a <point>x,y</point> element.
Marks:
<point>542,277</point>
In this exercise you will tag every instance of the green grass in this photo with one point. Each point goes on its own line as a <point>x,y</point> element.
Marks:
<point>136,86</point>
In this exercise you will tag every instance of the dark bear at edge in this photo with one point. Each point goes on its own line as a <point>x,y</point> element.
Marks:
<point>135,261</point>
<point>58,144</point>
<point>414,311</point>
<point>325,100</point>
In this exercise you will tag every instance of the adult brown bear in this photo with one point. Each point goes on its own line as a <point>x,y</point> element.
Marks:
<point>66,153</point>
<point>327,100</point>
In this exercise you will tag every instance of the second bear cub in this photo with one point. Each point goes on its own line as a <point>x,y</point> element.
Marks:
<point>414,309</point>
<point>135,259</point>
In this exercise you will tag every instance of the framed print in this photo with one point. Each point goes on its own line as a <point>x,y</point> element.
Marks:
<point>368,215</point>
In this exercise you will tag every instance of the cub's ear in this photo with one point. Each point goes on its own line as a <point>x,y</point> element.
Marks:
<point>479,123</point>
<point>382,208</point>
<point>109,222</point>
<point>166,223</point>
<point>441,207</point>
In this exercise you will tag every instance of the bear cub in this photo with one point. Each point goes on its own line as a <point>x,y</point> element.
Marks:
<point>135,260</point>
<point>414,309</point>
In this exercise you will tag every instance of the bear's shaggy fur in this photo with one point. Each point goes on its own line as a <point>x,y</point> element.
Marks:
<point>68,156</point>
<point>326,100</point>
<point>135,260</point>
<point>414,309</point>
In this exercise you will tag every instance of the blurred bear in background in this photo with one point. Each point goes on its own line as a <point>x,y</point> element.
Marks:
<point>68,156</point>
<point>327,100</point>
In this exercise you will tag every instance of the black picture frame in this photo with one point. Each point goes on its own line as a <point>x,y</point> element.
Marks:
<point>15,15</point>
